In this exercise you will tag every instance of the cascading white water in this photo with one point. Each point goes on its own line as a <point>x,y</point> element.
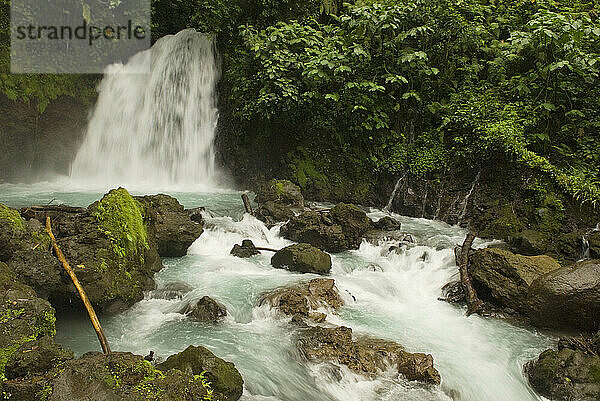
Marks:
<point>585,248</point>
<point>394,192</point>
<point>478,358</point>
<point>465,203</point>
<point>155,129</point>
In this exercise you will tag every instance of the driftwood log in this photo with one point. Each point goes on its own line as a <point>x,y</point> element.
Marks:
<point>474,304</point>
<point>82,294</point>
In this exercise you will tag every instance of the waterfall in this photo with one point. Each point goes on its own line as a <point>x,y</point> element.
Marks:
<point>394,192</point>
<point>155,129</point>
<point>585,249</point>
<point>465,202</point>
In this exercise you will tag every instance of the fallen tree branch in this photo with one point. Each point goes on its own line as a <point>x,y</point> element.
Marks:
<point>267,249</point>
<point>474,304</point>
<point>82,294</point>
<point>247,204</point>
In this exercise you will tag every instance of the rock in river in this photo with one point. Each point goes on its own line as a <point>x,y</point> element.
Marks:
<point>339,230</point>
<point>504,278</point>
<point>174,228</point>
<point>305,298</point>
<point>205,309</point>
<point>365,355</point>
<point>568,297</point>
<point>225,378</point>
<point>303,258</point>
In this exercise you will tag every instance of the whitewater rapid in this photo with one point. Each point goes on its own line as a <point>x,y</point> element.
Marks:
<point>388,296</point>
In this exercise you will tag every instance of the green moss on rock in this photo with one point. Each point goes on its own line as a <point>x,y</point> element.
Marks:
<point>120,218</point>
<point>199,361</point>
<point>12,216</point>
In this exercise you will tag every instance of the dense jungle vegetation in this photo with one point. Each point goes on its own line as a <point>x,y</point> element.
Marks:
<point>332,90</point>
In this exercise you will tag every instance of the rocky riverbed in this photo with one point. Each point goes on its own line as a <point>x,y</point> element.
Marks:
<point>119,243</point>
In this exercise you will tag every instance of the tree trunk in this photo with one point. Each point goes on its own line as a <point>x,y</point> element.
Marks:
<point>474,304</point>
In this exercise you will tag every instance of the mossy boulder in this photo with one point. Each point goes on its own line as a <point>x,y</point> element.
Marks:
<point>112,249</point>
<point>566,375</point>
<point>353,220</point>
<point>368,356</point>
<point>225,379</point>
<point>119,376</point>
<point>174,229</point>
<point>277,201</point>
<point>280,191</point>
<point>568,297</point>
<point>302,258</point>
<point>27,325</point>
<point>504,278</point>
<point>25,247</point>
<point>530,242</point>
<point>36,358</point>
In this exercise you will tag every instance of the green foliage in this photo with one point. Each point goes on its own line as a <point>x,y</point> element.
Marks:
<point>423,85</point>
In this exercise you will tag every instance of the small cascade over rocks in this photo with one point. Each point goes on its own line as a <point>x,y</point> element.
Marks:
<point>158,128</point>
<point>585,249</point>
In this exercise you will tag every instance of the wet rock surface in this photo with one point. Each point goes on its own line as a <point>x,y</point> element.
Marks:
<point>225,379</point>
<point>338,230</point>
<point>302,258</point>
<point>277,201</point>
<point>365,355</point>
<point>387,223</point>
<point>205,309</point>
<point>174,228</point>
<point>504,278</point>
<point>305,298</point>
<point>246,250</point>
<point>568,297</point>
<point>566,375</point>
<point>27,330</point>
<point>119,376</point>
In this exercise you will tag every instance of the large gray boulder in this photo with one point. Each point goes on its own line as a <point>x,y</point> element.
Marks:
<point>504,278</point>
<point>174,229</point>
<point>568,297</point>
<point>338,230</point>
<point>302,258</point>
<point>225,379</point>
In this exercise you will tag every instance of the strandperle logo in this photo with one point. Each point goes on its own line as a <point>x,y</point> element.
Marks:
<point>75,36</point>
<point>87,32</point>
